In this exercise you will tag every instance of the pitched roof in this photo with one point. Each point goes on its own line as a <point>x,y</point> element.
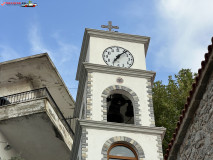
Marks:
<point>192,103</point>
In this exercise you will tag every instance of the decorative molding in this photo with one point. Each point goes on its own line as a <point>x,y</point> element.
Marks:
<point>89,97</point>
<point>118,36</point>
<point>108,35</point>
<point>123,127</point>
<point>159,145</point>
<point>122,139</point>
<point>90,67</point>
<point>150,103</point>
<point>135,103</point>
<point>119,80</point>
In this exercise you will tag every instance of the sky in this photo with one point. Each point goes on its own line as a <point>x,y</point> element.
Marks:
<point>180,31</point>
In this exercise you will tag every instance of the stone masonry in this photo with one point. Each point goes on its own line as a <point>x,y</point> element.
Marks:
<point>198,143</point>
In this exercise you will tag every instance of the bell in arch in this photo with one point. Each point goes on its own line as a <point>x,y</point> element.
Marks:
<point>129,111</point>
<point>114,115</point>
<point>120,109</point>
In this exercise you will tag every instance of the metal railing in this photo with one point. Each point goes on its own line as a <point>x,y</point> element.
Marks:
<point>33,95</point>
<point>23,96</point>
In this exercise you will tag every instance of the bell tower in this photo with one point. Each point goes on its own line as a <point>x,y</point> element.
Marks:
<point>114,101</point>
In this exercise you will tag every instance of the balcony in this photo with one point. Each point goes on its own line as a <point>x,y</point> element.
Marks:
<point>35,128</point>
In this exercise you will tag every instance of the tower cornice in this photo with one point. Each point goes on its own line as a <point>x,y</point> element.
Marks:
<point>123,127</point>
<point>90,67</point>
<point>108,35</point>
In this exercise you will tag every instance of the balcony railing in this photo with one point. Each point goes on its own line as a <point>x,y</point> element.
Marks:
<point>33,95</point>
<point>23,96</point>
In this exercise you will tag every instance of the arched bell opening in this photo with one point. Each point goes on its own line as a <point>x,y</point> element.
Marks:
<point>120,109</point>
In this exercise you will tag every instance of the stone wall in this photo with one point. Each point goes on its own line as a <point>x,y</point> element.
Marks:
<point>198,143</point>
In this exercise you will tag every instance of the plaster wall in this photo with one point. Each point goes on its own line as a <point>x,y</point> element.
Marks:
<point>21,109</point>
<point>83,103</point>
<point>6,154</point>
<point>59,125</point>
<point>88,53</point>
<point>98,45</point>
<point>13,88</point>
<point>27,128</point>
<point>97,138</point>
<point>101,81</point>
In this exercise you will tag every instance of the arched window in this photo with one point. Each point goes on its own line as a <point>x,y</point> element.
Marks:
<point>120,151</point>
<point>119,109</point>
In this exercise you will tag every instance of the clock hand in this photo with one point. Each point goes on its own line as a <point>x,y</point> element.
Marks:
<point>118,56</point>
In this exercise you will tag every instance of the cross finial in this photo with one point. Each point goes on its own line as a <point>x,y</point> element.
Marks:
<point>109,26</point>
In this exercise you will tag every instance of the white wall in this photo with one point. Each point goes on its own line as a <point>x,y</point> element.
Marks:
<point>59,125</point>
<point>98,45</point>
<point>83,103</point>
<point>97,138</point>
<point>88,53</point>
<point>6,154</point>
<point>102,81</point>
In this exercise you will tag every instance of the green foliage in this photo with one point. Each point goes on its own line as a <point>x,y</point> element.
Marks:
<point>169,100</point>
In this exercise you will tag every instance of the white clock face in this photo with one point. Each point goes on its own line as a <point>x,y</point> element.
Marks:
<point>118,56</point>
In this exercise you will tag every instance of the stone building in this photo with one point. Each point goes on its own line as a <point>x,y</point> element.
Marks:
<point>193,137</point>
<point>112,118</point>
<point>34,102</point>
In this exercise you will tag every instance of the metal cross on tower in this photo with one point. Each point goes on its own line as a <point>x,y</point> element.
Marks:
<point>109,26</point>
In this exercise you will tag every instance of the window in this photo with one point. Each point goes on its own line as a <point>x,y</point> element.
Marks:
<point>120,109</point>
<point>120,151</point>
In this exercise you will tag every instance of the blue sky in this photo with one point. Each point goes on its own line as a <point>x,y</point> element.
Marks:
<point>180,31</point>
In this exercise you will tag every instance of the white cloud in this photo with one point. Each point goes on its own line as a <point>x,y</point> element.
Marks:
<point>66,51</point>
<point>187,27</point>
<point>180,31</point>
<point>60,53</point>
<point>37,44</point>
